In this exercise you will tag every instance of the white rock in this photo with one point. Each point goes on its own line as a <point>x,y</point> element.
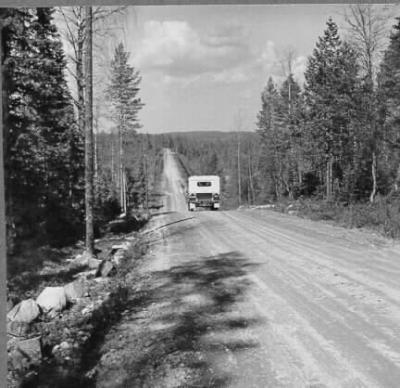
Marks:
<point>52,299</point>
<point>82,260</point>
<point>94,263</point>
<point>75,290</point>
<point>116,247</point>
<point>85,274</point>
<point>64,345</point>
<point>88,309</point>
<point>25,311</point>
<point>117,258</point>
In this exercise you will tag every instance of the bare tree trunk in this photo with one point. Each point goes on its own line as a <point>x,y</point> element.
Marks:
<point>238,171</point>
<point>122,170</point>
<point>89,197</point>
<point>329,182</point>
<point>3,234</point>
<point>251,183</point>
<point>146,183</point>
<point>96,161</point>
<point>80,79</point>
<point>112,161</point>
<point>374,183</point>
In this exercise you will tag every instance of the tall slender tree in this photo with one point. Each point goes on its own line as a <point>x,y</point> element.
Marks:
<point>89,146</point>
<point>123,93</point>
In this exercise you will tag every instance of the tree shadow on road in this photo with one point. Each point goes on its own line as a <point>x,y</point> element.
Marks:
<point>185,328</point>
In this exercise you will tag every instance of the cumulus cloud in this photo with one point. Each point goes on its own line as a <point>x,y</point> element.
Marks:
<point>183,55</point>
<point>178,50</point>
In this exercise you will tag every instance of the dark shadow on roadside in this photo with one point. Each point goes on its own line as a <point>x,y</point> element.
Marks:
<point>162,213</point>
<point>197,320</point>
<point>193,321</point>
<point>29,282</point>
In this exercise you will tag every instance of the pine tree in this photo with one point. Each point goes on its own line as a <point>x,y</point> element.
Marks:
<point>122,91</point>
<point>330,90</point>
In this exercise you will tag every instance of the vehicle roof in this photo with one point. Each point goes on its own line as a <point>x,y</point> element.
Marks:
<point>195,177</point>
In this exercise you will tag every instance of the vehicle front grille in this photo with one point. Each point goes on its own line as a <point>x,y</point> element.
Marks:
<point>204,196</point>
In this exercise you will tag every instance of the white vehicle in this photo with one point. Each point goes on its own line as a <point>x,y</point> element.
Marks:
<point>203,191</point>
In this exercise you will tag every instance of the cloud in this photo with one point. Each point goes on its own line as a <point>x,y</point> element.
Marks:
<point>299,67</point>
<point>178,50</point>
<point>270,60</point>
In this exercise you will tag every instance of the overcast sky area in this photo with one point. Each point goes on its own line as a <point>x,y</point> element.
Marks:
<point>204,66</point>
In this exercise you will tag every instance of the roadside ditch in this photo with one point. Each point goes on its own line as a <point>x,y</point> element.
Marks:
<point>52,341</point>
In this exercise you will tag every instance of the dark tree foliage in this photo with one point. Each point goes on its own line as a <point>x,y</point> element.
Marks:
<point>389,99</point>
<point>330,95</point>
<point>43,147</point>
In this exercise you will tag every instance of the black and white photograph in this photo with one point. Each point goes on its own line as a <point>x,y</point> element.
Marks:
<point>201,195</point>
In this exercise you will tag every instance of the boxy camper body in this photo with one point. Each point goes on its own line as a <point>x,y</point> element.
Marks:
<point>203,191</point>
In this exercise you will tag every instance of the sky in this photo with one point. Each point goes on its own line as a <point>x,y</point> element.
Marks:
<point>204,67</point>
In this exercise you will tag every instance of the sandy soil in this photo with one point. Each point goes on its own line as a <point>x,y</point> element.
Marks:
<point>258,299</point>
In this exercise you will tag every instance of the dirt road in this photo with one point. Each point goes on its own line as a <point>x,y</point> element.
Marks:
<point>260,299</point>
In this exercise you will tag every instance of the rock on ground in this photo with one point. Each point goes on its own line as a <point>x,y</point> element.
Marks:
<point>81,260</point>
<point>75,290</point>
<point>94,263</point>
<point>85,259</point>
<point>106,268</point>
<point>117,258</point>
<point>25,353</point>
<point>25,311</point>
<point>52,299</point>
<point>18,329</point>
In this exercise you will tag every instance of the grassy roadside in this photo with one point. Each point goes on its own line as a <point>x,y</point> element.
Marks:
<point>383,216</point>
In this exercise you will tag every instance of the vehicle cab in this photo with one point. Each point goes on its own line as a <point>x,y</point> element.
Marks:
<point>203,191</point>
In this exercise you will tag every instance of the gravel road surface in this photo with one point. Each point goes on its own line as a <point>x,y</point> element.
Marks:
<point>255,298</point>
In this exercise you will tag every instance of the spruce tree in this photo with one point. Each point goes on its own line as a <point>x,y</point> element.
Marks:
<point>269,122</point>
<point>42,145</point>
<point>330,91</point>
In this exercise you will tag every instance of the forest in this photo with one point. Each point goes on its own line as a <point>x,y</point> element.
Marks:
<point>45,121</point>
<point>330,145</point>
